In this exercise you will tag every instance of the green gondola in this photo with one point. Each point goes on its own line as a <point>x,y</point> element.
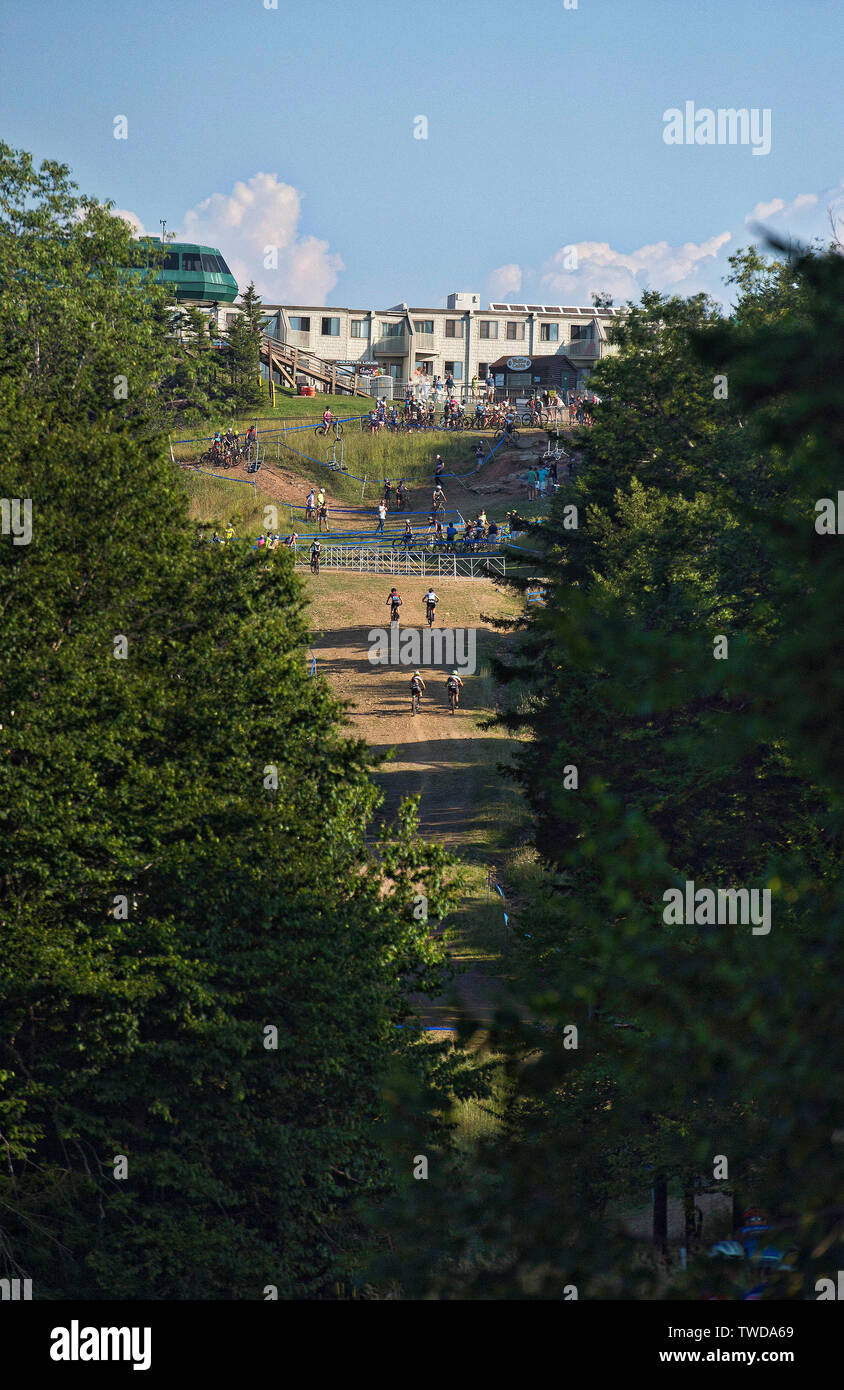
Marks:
<point>198,274</point>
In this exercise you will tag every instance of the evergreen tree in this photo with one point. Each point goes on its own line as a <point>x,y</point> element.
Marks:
<point>203,967</point>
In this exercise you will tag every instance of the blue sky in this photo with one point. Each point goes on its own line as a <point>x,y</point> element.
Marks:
<point>293,128</point>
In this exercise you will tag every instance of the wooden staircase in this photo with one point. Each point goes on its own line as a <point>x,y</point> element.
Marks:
<point>287,365</point>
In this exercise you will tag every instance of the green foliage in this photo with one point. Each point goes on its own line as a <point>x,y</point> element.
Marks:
<point>696,521</point>
<point>183,842</point>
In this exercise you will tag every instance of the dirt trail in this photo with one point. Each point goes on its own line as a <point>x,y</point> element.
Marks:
<point>445,759</point>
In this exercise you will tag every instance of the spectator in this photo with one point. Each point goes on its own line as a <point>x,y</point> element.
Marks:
<point>382,517</point>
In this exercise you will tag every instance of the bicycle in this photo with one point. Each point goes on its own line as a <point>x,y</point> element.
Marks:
<point>414,701</point>
<point>452,697</point>
<point>394,615</point>
<point>321,430</point>
<point>430,614</point>
<point>314,564</point>
<point>503,432</point>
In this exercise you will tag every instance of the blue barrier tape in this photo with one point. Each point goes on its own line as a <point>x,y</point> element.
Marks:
<point>247,482</point>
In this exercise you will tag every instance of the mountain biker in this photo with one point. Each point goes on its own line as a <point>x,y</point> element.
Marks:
<point>509,421</point>
<point>454,683</point>
<point>407,538</point>
<point>417,685</point>
<point>394,600</point>
<point>316,549</point>
<point>431,600</point>
<point>439,468</point>
<point>231,438</point>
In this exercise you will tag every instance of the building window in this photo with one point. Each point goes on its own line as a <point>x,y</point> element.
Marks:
<point>581,331</point>
<point>483,370</point>
<point>392,330</point>
<point>360,328</point>
<point>549,332</point>
<point>330,328</point>
<point>515,332</point>
<point>299,324</point>
<point>454,369</point>
<point>488,328</point>
<point>454,328</point>
<point>423,325</point>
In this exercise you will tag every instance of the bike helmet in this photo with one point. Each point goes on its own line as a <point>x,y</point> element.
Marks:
<point>729,1249</point>
<point>416,673</point>
<point>455,673</point>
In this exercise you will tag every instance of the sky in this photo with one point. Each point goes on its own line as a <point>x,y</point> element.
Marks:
<point>361,155</point>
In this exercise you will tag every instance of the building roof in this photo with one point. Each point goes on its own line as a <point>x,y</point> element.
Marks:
<point>559,309</point>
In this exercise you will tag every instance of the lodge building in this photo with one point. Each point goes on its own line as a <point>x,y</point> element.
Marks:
<point>463,340</point>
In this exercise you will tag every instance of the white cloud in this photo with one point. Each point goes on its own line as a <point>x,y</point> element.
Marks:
<point>261,216</point>
<point>672,269</point>
<point>134,221</point>
<point>765,210</point>
<point>507,279</point>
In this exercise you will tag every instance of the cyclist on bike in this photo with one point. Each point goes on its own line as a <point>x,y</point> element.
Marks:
<point>417,685</point>
<point>431,600</point>
<point>509,422</point>
<point>394,600</point>
<point>316,550</point>
<point>437,497</point>
<point>455,684</point>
